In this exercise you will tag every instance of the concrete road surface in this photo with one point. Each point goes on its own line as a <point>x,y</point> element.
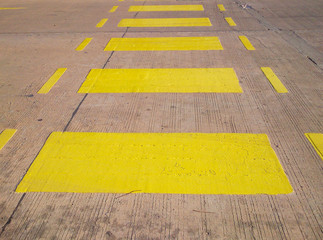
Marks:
<point>161,119</point>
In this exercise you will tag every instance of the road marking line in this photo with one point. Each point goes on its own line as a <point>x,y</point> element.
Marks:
<point>221,7</point>
<point>113,9</point>
<point>156,8</point>
<point>316,139</point>
<point>5,136</point>
<point>274,80</point>
<point>83,44</point>
<point>179,163</point>
<point>230,21</point>
<point>164,44</point>
<point>120,0</point>
<point>13,8</point>
<point>165,22</point>
<point>189,80</point>
<point>102,22</point>
<point>51,82</point>
<point>245,41</point>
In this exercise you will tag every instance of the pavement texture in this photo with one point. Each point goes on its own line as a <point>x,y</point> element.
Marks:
<point>44,60</point>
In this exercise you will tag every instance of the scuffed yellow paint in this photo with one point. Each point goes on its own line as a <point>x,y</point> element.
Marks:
<point>230,22</point>
<point>221,7</point>
<point>5,136</point>
<point>157,8</point>
<point>274,80</point>
<point>12,8</point>
<point>83,44</point>
<point>182,163</point>
<point>113,9</point>
<point>52,81</point>
<point>102,22</point>
<point>164,44</point>
<point>245,41</point>
<point>161,80</point>
<point>164,22</point>
<point>316,139</point>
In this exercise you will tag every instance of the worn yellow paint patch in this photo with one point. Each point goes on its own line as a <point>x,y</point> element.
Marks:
<point>183,163</point>
<point>83,44</point>
<point>102,22</point>
<point>113,9</point>
<point>164,44</point>
<point>12,8</point>
<point>316,140</point>
<point>230,21</point>
<point>164,22</point>
<point>245,41</point>
<point>5,136</point>
<point>161,80</point>
<point>159,8</point>
<point>51,82</point>
<point>274,80</point>
<point>221,7</point>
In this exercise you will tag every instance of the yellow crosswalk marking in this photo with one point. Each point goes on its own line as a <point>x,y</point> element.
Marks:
<point>230,21</point>
<point>245,41</point>
<point>164,22</point>
<point>181,163</point>
<point>274,80</point>
<point>102,22</point>
<point>161,80</point>
<point>221,7</point>
<point>5,136</point>
<point>164,44</point>
<point>83,44</point>
<point>113,9</point>
<point>51,82</point>
<point>316,140</point>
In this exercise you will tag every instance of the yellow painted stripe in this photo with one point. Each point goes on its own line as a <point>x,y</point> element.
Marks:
<point>220,80</point>
<point>316,140</point>
<point>120,0</point>
<point>245,41</point>
<point>102,22</point>
<point>152,0</point>
<point>230,21</point>
<point>274,80</point>
<point>5,136</point>
<point>51,82</point>
<point>221,7</point>
<point>157,8</point>
<point>165,22</point>
<point>83,44</point>
<point>113,9</point>
<point>180,163</point>
<point>164,44</point>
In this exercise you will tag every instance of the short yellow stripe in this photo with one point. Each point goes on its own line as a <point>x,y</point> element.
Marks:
<point>5,136</point>
<point>165,22</point>
<point>178,163</point>
<point>120,0</point>
<point>230,21</point>
<point>113,9</point>
<point>156,8</point>
<point>102,22</point>
<point>316,140</point>
<point>189,80</point>
<point>83,44</point>
<point>274,80</point>
<point>53,79</point>
<point>164,44</point>
<point>221,7</point>
<point>14,8</point>
<point>245,41</point>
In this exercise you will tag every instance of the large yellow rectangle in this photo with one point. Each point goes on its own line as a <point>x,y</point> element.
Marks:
<point>164,44</point>
<point>164,22</point>
<point>160,8</point>
<point>316,139</point>
<point>218,80</point>
<point>183,163</point>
